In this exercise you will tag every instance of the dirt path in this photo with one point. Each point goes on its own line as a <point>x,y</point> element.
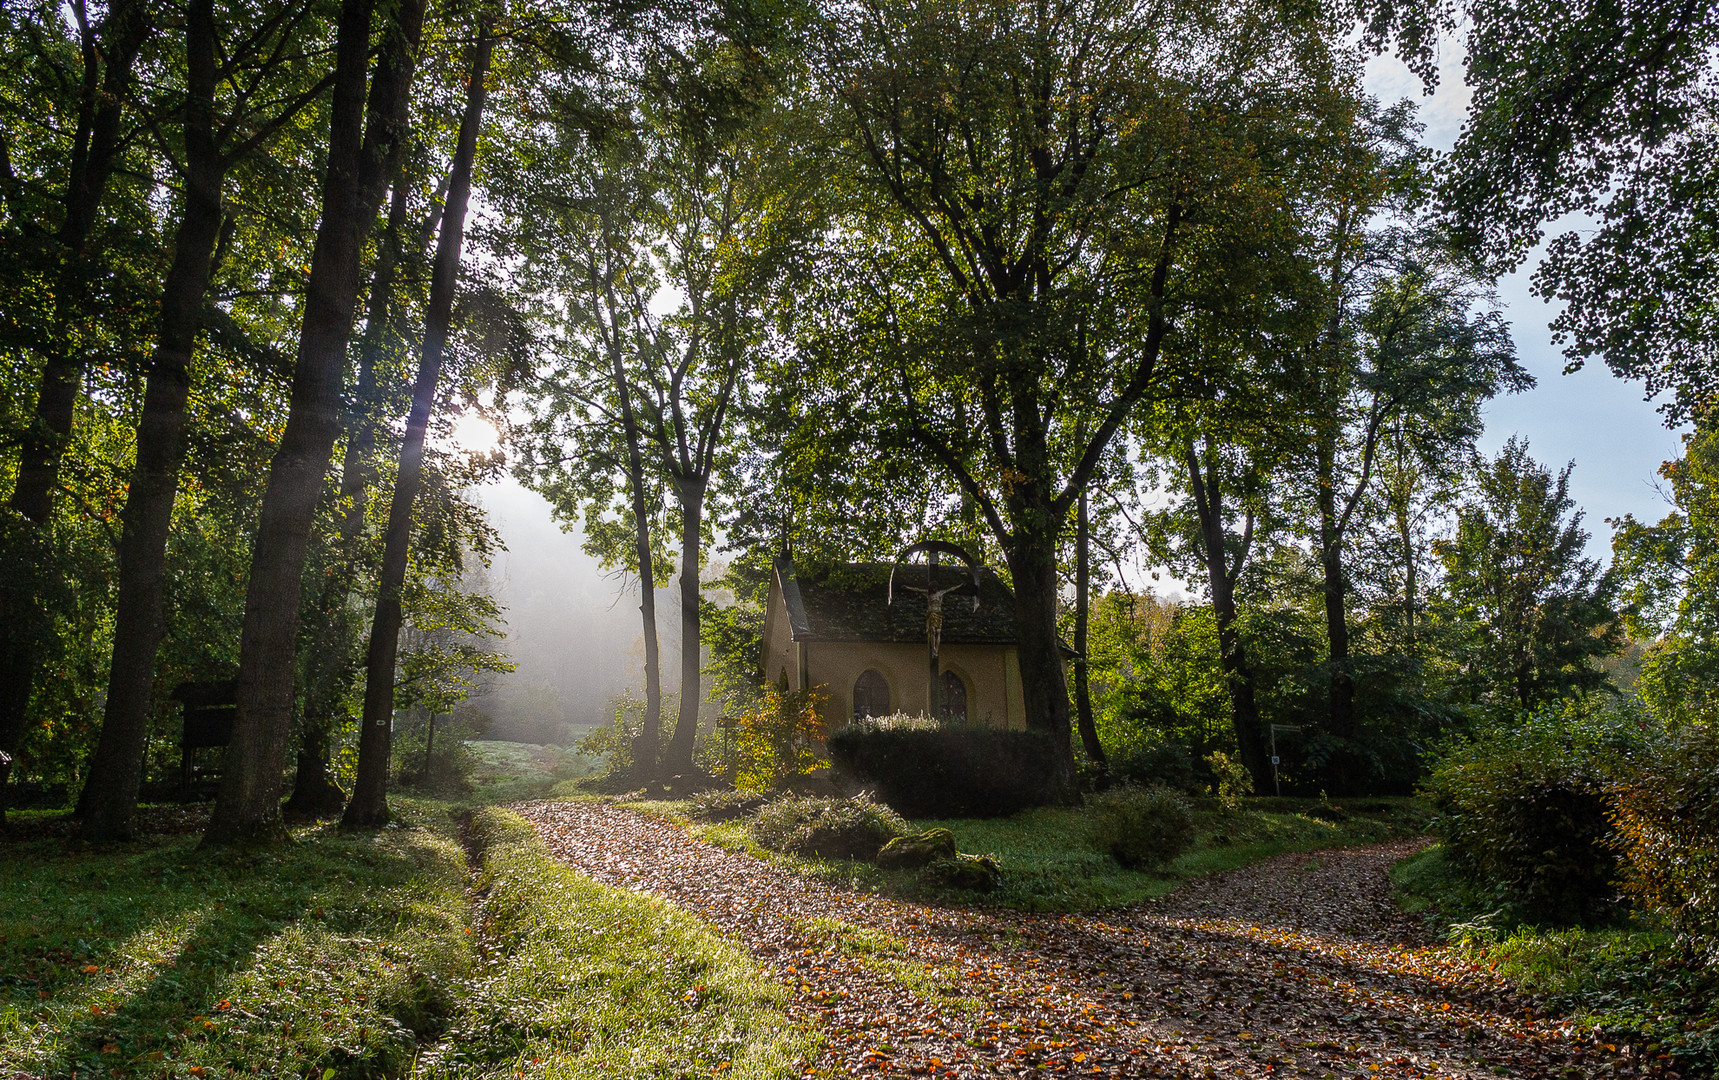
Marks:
<point>1299,966</point>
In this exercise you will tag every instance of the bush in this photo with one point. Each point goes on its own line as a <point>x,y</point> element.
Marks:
<point>1523,811</point>
<point>1141,827</point>
<point>1666,815</point>
<point>1231,778</point>
<point>725,805</point>
<point>854,828</point>
<point>778,739</point>
<point>948,772</point>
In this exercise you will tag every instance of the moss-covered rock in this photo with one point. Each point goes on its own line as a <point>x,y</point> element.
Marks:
<point>975,873</point>
<point>913,852</point>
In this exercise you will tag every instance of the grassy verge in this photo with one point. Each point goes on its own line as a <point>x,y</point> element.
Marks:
<point>1048,866</point>
<point>157,960</point>
<point>1622,984</point>
<point>580,980</point>
<point>348,957</point>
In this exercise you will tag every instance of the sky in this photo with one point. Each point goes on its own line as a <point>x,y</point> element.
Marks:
<point>575,628</point>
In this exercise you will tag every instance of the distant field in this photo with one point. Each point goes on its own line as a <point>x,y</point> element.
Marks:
<point>513,770</point>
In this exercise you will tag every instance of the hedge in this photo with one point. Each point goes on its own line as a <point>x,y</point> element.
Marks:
<point>950,772</point>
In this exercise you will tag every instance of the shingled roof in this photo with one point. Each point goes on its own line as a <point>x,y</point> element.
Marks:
<point>850,602</point>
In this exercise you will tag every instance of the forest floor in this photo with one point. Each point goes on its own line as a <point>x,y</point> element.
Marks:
<point>1297,966</point>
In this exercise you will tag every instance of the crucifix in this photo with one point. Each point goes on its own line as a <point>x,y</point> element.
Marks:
<point>934,603</point>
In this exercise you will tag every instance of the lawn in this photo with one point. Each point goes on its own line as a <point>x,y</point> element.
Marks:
<point>344,956</point>
<point>1048,866</point>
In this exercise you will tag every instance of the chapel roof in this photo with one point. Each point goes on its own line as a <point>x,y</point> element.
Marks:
<point>850,602</point>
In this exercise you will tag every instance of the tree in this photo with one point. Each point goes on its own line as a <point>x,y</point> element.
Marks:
<point>269,90</point>
<point>1539,612</point>
<point>1037,195</point>
<point>1670,574</point>
<point>248,806</point>
<point>369,805</point>
<point>1605,109</point>
<point>54,203</point>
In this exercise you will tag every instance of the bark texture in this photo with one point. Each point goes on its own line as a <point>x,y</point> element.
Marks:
<point>109,55</point>
<point>1082,609</point>
<point>248,807</point>
<point>690,491</point>
<point>369,805</point>
<point>1221,577</point>
<point>110,793</point>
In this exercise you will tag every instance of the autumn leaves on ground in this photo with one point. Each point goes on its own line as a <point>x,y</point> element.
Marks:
<point>599,941</point>
<point>1298,966</point>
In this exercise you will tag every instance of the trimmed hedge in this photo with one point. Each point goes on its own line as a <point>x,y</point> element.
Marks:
<point>948,773</point>
<point>854,828</point>
<point>1141,828</point>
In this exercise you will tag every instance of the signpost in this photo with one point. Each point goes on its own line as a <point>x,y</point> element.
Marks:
<point>1275,728</point>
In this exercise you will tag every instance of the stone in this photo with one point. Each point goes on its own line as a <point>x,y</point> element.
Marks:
<point>974,873</point>
<point>913,852</point>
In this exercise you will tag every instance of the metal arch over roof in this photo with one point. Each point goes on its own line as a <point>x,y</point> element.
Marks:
<point>851,602</point>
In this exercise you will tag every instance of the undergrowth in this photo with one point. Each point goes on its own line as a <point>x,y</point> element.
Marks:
<point>1627,983</point>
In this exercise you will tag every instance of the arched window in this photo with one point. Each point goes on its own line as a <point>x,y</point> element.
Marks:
<point>871,695</point>
<point>954,697</point>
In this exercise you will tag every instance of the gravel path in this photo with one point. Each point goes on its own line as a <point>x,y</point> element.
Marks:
<point>1299,966</point>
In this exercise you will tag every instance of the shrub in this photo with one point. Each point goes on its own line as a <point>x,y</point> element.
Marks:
<point>1231,779</point>
<point>947,772</point>
<point>854,828</point>
<point>720,805</point>
<point>1523,811</point>
<point>778,739</point>
<point>1141,827</point>
<point>1666,815</point>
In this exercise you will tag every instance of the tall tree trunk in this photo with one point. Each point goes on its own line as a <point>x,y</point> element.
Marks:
<point>690,491</point>
<point>1221,580</point>
<point>1342,681</point>
<point>369,805</point>
<point>647,751</point>
<point>110,794</point>
<point>1044,679</point>
<point>95,151</point>
<point>248,806</point>
<point>1082,607</point>
<point>329,667</point>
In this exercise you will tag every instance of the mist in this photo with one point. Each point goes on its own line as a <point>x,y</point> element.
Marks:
<point>572,627</point>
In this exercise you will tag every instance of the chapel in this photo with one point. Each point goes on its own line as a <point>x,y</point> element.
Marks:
<point>837,631</point>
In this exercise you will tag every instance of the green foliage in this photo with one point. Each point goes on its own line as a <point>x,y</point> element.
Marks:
<point>1536,613</point>
<point>1644,987</point>
<point>612,743</point>
<point>855,828</point>
<point>778,739</point>
<point>1156,678</point>
<point>946,772</point>
<point>1665,810</point>
<point>1230,779</point>
<point>563,985</point>
<point>1522,809</point>
<point>1141,828</point>
<point>1671,575</point>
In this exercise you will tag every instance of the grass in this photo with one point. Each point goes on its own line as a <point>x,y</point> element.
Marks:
<point>1047,865</point>
<point>156,960</point>
<point>562,988</point>
<point>1630,983</point>
<point>350,957</point>
<point>509,771</point>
